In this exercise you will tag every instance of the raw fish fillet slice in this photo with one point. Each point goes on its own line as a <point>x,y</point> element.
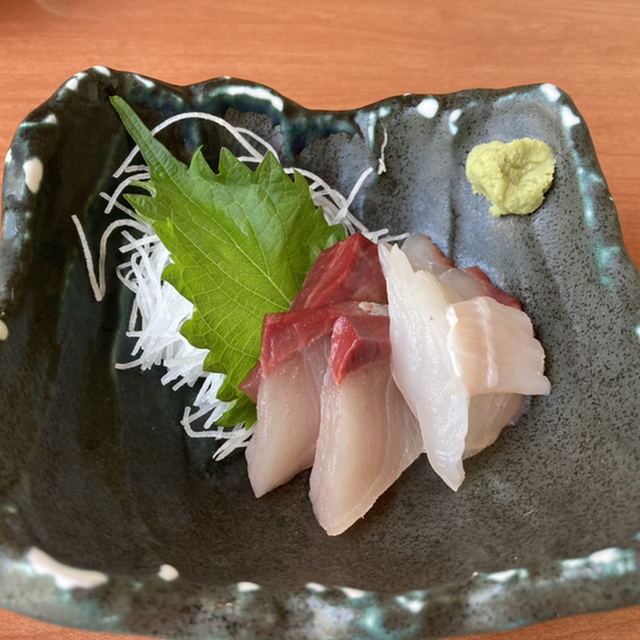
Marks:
<point>473,282</point>
<point>460,284</point>
<point>489,414</point>
<point>284,441</point>
<point>494,350</point>
<point>358,340</point>
<point>424,255</point>
<point>349,270</point>
<point>421,363</point>
<point>294,356</point>
<point>368,437</point>
<point>286,333</point>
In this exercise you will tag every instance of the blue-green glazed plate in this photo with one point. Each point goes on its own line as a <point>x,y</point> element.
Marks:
<point>113,519</point>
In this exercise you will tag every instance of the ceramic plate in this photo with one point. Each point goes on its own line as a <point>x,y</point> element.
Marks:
<point>112,518</point>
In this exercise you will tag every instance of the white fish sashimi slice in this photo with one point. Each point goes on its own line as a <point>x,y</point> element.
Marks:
<point>494,350</point>
<point>424,255</point>
<point>459,284</point>
<point>489,414</point>
<point>284,440</point>
<point>368,437</point>
<point>422,366</point>
<point>462,283</point>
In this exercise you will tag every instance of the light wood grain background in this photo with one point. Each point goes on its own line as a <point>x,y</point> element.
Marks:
<point>340,54</point>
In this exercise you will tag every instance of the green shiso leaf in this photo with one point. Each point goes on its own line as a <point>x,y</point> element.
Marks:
<point>241,242</point>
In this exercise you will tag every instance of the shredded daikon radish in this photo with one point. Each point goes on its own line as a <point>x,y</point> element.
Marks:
<point>159,311</point>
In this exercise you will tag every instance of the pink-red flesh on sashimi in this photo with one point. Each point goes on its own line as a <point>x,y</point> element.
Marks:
<point>347,272</point>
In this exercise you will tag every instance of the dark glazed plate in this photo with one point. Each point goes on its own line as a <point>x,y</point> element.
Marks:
<point>96,472</point>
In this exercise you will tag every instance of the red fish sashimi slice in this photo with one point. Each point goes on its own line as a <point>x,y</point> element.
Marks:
<point>347,272</point>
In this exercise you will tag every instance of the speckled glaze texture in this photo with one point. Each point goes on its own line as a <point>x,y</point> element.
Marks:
<point>96,471</point>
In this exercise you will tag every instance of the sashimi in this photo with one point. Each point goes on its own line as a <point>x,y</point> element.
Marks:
<point>489,414</point>
<point>421,363</point>
<point>295,355</point>
<point>284,440</point>
<point>494,350</point>
<point>286,382</point>
<point>491,356</point>
<point>424,255</point>
<point>349,270</point>
<point>367,368</point>
<point>368,435</point>
<point>460,284</point>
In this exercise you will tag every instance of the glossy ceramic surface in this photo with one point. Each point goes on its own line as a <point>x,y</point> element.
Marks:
<point>96,472</point>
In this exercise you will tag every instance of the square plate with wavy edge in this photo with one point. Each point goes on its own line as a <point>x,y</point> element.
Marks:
<point>149,536</point>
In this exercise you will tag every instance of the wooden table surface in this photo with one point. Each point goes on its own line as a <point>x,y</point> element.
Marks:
<point>339,54</point>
